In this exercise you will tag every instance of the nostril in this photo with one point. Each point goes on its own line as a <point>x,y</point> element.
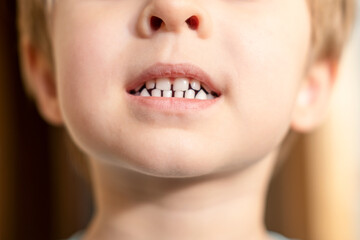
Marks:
<point>155,23</point>
<point>193,22</point>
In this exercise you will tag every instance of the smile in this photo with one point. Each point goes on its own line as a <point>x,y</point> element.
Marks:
<point>172,89</point>
<point>174,81</point>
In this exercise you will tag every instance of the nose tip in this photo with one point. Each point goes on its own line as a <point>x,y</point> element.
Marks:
<point>174,16</point>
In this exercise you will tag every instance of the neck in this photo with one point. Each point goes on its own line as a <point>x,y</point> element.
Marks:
<point>136,206</point>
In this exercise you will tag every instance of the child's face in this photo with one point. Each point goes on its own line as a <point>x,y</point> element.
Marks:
<point>254,52</point>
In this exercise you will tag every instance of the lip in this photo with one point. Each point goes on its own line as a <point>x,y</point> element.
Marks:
<point>171,105</point>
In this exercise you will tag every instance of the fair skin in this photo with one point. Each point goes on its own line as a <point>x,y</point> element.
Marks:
<point>184,172</point>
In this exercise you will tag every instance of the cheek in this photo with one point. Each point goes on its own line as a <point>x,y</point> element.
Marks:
<point>88,75</point>
<point>268,53</point>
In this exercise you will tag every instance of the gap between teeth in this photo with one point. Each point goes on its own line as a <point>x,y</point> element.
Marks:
<point>179,88</point>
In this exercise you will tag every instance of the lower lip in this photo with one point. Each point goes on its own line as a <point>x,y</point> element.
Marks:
<point>172,105</point>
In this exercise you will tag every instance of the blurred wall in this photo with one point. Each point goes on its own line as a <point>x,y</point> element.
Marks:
<point>24,163</point>
<point>7,146</point>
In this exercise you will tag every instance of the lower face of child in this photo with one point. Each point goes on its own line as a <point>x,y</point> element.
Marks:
<point>179,88</point>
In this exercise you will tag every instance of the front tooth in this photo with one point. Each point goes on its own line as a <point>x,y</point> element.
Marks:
<point>181,84</point>
<point>156,92</point>
<point>190,94</point>
<point>195,85</point>
<point>163,84</point>
<point>145,93</point>
<point>150,84</point>
<point>179,94</point>
<point>201,95</point>
<point>167,93</point>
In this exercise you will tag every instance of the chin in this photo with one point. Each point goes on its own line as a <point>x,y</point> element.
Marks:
<point>181,160</point>
<point>172,166</point>
<point>170,172</point>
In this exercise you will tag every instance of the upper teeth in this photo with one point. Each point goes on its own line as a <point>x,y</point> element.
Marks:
<point>179,88</point>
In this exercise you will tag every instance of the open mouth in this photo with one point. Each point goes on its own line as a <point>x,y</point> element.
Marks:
<point>175,89</point>
<point>179,87</point>
<point>179,81</point>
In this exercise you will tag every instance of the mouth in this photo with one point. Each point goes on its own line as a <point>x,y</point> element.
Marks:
<point>181,81</point>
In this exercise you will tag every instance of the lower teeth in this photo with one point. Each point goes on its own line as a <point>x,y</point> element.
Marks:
<point>189,94</point>
<point>200,94</point>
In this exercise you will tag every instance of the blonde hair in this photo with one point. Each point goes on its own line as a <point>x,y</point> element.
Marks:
<point>32,22</point>
<point>332,21</point>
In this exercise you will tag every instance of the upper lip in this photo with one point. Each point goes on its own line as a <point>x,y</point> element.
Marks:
<point>162,70</point>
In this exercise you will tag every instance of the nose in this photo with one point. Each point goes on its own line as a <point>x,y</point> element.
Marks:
<point>174,16</point>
